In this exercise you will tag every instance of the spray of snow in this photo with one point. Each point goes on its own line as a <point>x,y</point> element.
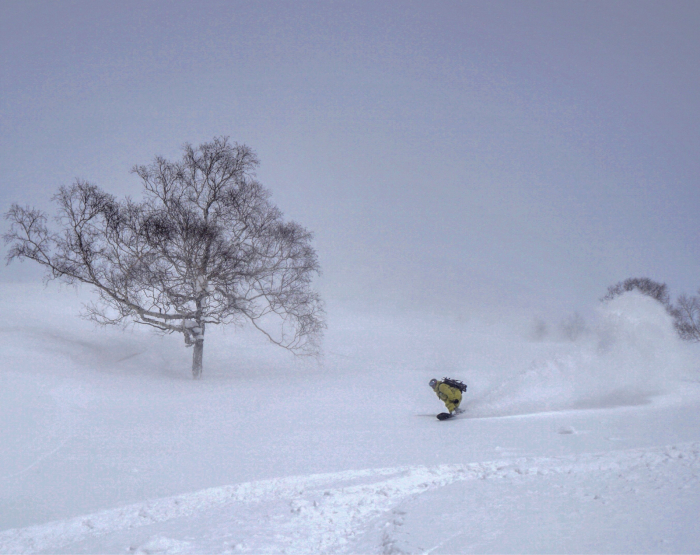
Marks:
<point>630,355</point>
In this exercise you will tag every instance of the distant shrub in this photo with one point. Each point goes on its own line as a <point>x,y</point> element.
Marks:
<point>539,330</point>
<point>686,316</point>
<point>573,327</point>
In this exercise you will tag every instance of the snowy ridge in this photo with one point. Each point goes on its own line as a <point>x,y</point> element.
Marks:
<point>325,512</point>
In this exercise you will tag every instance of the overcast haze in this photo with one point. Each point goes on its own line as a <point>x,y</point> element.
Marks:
<point>448,155</point>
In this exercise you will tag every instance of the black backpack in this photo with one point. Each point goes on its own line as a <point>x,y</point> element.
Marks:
<point>455,383</point>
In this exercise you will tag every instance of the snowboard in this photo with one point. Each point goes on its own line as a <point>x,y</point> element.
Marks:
<point>447,415</point>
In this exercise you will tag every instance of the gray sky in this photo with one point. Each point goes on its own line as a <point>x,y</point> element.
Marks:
<point>448,155</point>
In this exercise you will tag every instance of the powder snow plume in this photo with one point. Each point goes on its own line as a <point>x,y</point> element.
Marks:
<point>629,355</point>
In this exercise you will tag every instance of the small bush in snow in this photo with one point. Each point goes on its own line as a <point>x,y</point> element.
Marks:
<point>573,327</point>
<point>539,330</point>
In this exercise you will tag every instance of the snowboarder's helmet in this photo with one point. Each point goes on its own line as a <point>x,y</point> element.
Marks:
<point>433,383</point>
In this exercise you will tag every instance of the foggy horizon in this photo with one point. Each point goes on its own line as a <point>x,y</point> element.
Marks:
<point>451,156</point>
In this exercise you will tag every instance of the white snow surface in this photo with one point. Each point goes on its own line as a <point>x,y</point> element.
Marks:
<point>109,446</point>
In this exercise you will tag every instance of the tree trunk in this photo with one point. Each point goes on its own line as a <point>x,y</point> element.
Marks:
<point>197,356</point>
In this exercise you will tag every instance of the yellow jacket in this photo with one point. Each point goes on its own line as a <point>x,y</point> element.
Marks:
<point>449,395</point>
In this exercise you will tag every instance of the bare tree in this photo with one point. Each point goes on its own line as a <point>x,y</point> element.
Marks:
<point>646,286</point>
<point>205,246</point>
<point>687,317</point>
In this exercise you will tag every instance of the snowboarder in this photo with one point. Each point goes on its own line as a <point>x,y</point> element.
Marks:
<point>449,392</point>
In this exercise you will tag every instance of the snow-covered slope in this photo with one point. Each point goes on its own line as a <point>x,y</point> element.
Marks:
<point>625,501</point>
<point>108,446</point>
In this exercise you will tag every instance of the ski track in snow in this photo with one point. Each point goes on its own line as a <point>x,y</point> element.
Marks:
<point>37,461</point>
<point>326,511</point>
